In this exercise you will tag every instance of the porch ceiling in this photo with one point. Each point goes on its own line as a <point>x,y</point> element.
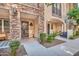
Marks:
<point>4,13</point>
<point>28,16</point>
<point>55,20</point>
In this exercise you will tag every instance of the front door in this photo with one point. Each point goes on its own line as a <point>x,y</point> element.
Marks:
<point>48,28</point>
<point>25,29</point>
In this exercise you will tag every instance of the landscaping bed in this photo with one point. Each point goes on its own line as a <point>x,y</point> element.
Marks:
<point>53,43</point>
<point>49,40</point>
<point>6,51</point>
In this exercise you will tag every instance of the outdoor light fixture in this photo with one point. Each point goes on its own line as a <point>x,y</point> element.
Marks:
<point>31,24</point>
<point>14,11</point>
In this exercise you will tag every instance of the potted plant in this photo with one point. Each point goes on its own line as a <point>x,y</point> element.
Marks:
<point>14,46</point>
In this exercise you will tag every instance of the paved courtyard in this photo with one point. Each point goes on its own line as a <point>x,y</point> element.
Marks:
<point>68,48</point>
<point>34,48</point>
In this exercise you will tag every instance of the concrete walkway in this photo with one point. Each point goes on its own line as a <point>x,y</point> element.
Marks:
<point>33,48</point>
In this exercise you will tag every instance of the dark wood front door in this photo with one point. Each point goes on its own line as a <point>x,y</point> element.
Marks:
<point>24,29</point>
<point>48,28</point>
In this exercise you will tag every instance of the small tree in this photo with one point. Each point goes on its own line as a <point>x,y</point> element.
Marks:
<point>74,15</point>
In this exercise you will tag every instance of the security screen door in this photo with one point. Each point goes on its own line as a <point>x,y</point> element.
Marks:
<point>24,29</point>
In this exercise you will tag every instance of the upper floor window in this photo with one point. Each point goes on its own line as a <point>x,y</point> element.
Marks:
<point>56,9</point>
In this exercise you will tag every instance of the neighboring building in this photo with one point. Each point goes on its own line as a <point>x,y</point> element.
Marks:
<point>29,20</point>
<point>55,15</point>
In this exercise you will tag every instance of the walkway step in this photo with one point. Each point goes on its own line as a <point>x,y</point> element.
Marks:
<point>4,44</point>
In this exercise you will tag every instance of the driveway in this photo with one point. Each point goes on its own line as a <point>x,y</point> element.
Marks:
<point>33,48</point>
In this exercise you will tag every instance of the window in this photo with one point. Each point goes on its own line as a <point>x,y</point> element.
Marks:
<point>5,24</point>
<point>56,9</point>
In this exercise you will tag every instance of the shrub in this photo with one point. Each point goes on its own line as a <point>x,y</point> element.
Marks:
<point>77,32</point>
<point>71,37</point>
<point>54,35</point>
<point>50,38</point>
<point>14,45</point>
<point>43,37</point>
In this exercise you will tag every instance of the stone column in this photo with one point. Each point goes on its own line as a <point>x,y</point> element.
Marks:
<point>41,24</point>
<point>15,25</point>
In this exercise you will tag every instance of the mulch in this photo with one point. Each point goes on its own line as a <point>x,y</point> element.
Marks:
<point>6,51</point>
<point>53,43</point>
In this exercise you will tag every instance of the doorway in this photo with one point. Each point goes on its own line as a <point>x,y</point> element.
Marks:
<point>48,28</point>
<point>24,29</point>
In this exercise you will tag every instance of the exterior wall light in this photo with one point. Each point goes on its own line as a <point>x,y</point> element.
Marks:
<point>31,24</point>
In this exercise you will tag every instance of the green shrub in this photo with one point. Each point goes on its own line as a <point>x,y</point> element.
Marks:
<point>43,37</point>
<point>71,37</point>
<point>50,38</point>
<point>77,32</point>
<point>14,45</point>
<point>74,33</point>
<point>54,35</point>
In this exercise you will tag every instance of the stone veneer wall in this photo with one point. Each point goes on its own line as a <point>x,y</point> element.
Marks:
<point>15,26</point>
<point>41,24</point>
<point>41,19</point>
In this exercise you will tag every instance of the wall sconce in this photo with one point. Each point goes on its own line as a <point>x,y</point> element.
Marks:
<point>14,11</point>
<point>31,24</point>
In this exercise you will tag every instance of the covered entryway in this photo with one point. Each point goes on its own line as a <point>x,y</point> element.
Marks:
<point>55,26</point>
<point>25,29</point>
<point>29,25</point>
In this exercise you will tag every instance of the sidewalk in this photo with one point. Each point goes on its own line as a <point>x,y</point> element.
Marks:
<point>33,48</point>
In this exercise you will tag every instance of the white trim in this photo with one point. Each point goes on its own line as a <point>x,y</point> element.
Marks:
<point>2,25</point>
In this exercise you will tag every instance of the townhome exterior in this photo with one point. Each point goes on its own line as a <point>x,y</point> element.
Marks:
<point>30,19</point>
<point>55,15</point>
<point>21,20</point>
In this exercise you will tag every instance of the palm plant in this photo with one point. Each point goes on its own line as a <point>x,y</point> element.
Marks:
<point>14,45</point>
<point>51,37</point>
